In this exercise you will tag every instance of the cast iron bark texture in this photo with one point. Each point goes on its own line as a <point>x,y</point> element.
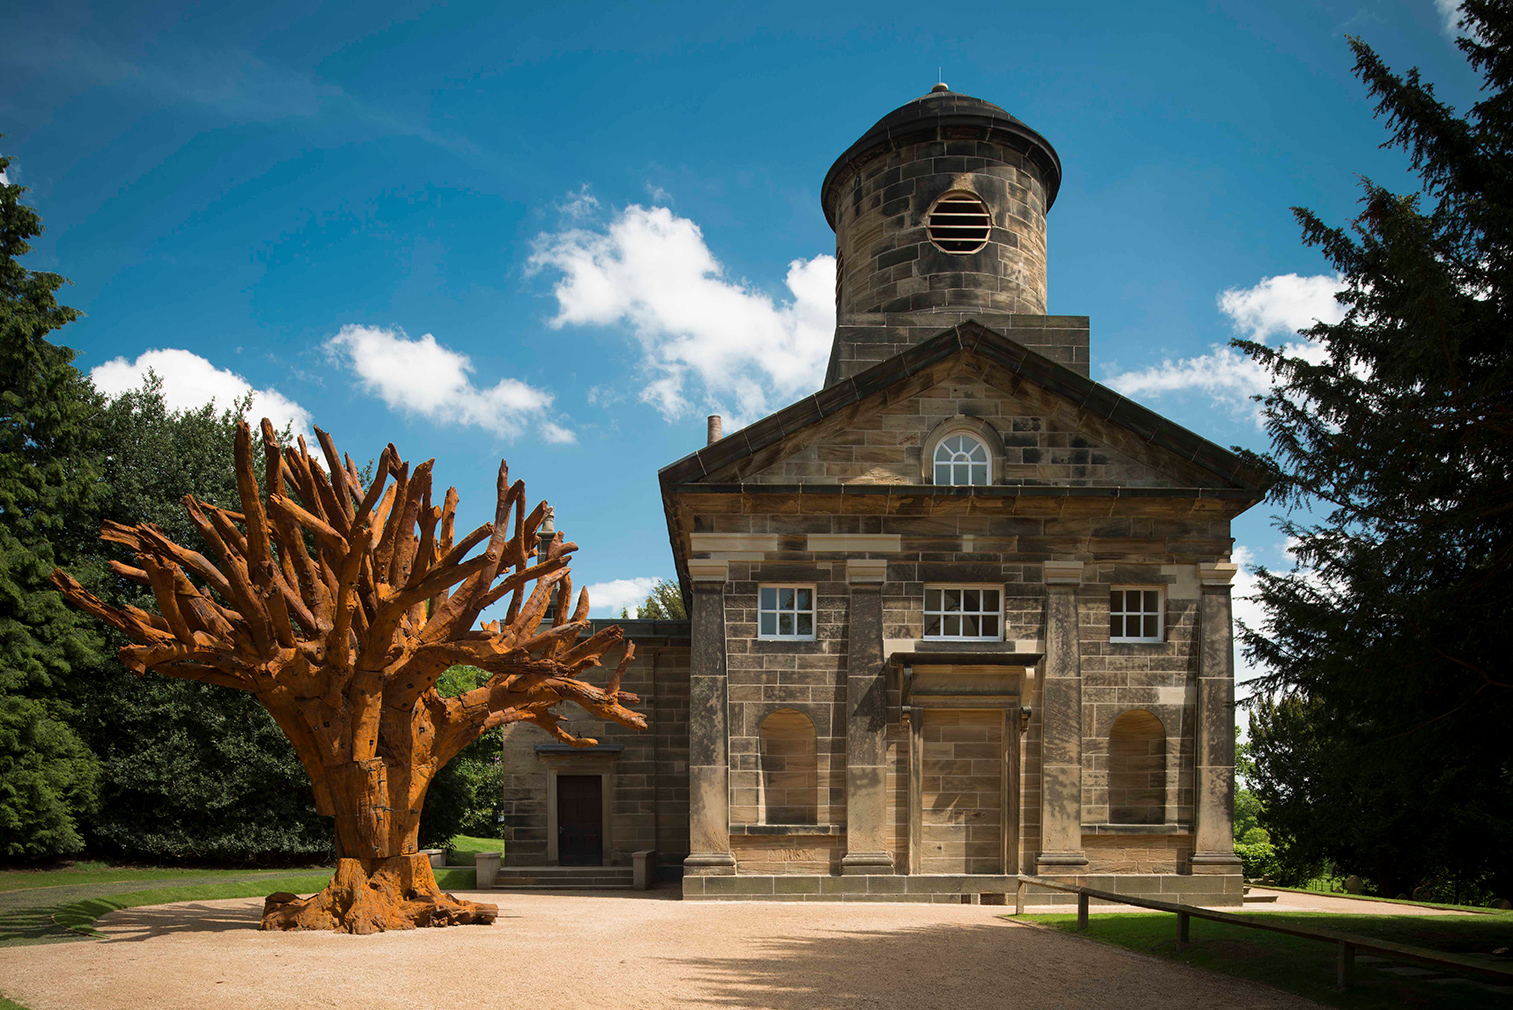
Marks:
<point>339,607</point>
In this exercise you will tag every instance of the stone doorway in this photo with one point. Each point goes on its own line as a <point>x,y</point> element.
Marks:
<point>580,820</point>
<point>964,723</point>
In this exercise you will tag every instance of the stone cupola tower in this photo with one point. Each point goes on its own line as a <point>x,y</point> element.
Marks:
<point>939,215</point>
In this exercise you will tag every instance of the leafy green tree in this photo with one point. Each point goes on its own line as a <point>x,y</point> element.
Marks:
<point>663,603</point>
<point>467,796</point>
<point>1382,742</point>
<point>190,772</point>
<point>49,482</point>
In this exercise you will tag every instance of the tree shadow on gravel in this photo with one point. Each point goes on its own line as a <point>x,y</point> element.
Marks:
<point>133,925</point>
<point>947,967</point>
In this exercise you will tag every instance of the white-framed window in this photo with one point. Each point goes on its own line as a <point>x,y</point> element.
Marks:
<point>785,612</point>
<point>961,458</point>
<point>1135,614</point>
<point>964,613</point>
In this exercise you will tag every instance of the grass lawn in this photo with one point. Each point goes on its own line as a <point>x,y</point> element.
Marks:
<point>1307,967</point>
<point>100,873</point>
<point>465,847</point>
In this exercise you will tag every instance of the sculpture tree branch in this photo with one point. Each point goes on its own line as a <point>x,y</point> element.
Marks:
<point>339,607</point>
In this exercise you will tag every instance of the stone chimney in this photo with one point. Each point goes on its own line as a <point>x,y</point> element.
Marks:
<point>715,425</point>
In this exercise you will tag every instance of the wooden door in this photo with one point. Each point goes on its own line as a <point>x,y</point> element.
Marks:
<point>580,820</point>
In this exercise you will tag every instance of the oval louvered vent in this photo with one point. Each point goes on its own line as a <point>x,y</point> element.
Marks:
<point>960,223</point>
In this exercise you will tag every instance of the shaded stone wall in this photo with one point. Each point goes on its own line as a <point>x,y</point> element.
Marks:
<point>649,777</point>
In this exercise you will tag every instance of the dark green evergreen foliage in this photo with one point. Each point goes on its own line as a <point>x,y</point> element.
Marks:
<point>191,772</point>
<point>49,482</point>
<point>467,796</point>
<point>1384,746</point>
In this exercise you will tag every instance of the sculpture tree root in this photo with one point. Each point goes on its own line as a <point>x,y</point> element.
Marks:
<point>374,895</point>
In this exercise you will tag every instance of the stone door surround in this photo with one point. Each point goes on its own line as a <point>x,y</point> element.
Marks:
<point>561,759</point>
<point>931,685</point>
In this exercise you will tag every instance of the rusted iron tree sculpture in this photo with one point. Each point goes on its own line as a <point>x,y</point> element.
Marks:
<point>339,606</point>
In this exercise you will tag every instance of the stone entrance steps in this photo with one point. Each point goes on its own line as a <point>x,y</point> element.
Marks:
<point>537,878</point>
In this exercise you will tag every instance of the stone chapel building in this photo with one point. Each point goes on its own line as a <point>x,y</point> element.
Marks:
<point>963,613</point>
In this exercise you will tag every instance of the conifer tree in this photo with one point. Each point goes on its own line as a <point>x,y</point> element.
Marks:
<point>49,482</point>
<point>1383,740</point>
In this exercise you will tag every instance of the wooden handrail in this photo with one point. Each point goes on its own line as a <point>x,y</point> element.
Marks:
<point>1348,943</point>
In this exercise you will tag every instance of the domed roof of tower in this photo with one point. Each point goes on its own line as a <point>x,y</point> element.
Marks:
<point>946,114</point>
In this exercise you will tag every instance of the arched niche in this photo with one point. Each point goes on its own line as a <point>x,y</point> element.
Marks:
<point>1137,769</point>
<point>790,783</point>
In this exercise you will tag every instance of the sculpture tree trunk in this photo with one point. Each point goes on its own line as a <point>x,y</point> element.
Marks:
<point>339,607</point>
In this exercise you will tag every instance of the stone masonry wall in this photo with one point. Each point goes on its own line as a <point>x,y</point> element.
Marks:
<point>962,792</point>
<point>865,338</point>
<point>649,806</point>
<point>887,261</point>
<point>1035,438</point>
<point>1004,550</point>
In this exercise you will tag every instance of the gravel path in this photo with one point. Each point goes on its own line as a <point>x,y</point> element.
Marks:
<point>1300,901</point>
<point>26,912</point>
<point>600,951</point>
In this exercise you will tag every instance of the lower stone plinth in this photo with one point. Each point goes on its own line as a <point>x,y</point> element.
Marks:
<point>1207,889</point>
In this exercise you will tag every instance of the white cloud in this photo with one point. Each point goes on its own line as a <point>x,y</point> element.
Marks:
<point>704,339</point>
<point>424,377</point>
<point>1450,15</point>
<point>190,381</point>
<point>1282,305</point>
<point>579,205</point>
<point>609,597</point>
<point>1276,307</point>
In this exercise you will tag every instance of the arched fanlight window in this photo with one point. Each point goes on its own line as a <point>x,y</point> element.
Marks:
<point>961,459</point>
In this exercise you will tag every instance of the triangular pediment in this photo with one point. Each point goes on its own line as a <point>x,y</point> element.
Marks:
<point>1044,424</point>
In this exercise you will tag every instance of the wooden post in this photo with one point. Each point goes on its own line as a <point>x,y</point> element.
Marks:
<point>1344,967</point>
<point>1081,910</point>
<point>1019,899</point>
<point>1182,929</point>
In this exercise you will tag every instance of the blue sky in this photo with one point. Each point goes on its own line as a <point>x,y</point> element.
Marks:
<point>563,234</point>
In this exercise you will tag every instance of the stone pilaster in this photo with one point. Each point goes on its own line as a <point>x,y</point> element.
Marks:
<point>708,731</point>
<point>1214,800</point>
<point>866,724</point>
<point>1061,725</point>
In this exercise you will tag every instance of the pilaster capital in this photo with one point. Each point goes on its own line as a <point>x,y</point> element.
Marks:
<point>1062,573</point>
<point>707,573</point>
<point>1217,573</point>
<point>866,571</point>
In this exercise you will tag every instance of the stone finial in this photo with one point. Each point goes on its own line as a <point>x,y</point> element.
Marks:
<point>715,434</point>
<point>547,529</point>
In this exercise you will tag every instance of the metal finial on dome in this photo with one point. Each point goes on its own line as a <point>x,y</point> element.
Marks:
<point>940,87</point>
